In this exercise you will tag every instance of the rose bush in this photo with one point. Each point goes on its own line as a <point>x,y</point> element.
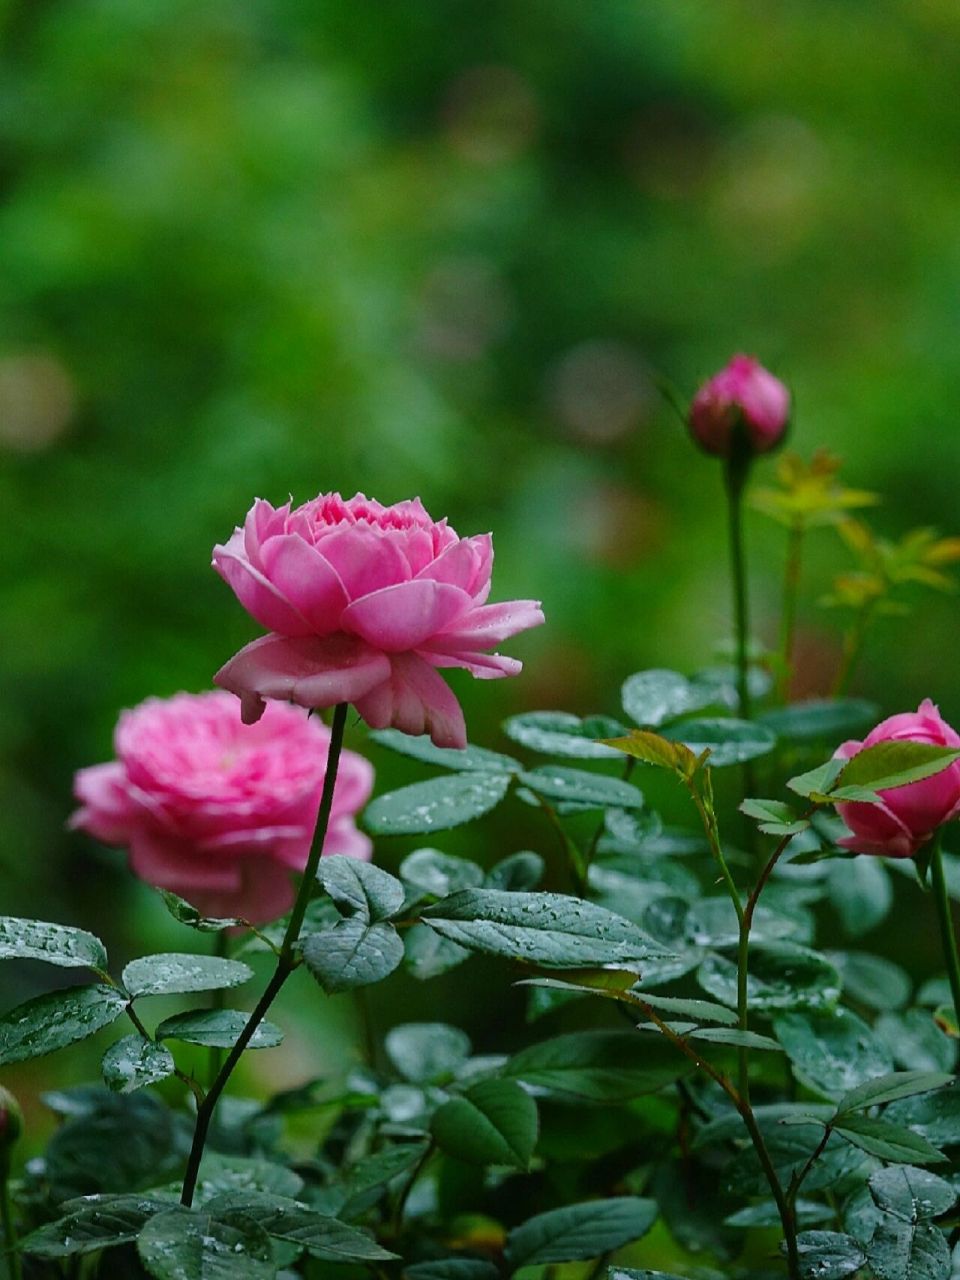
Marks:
<point>746,393</point>
<point>221,812</point>
<point>364,602</point>
<point>907,817</point>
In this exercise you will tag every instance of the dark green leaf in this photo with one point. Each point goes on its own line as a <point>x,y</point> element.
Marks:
<point>911,1194</point>
<point>134,1062</point>
<point>545,929</point>
<point>832,1053</point>
<point>424,1052</point>
<point>580,1231</point>
<point>652,698</point>
<point>55,943</point>
<point>828,1255</point>
<point>916,1041</point>
<point>600,1066</point>
<point>517,873</point>
<point>359,888</point>
<point>558,733</point>
<point>890,1142</point>
<point>934,1115</point>
<point>111,1221</point>
<point>184,913</point>
<point>872,980</point>
<point>422,748</point>
<point>217,1028</point>
<point>323,1237</point>
<point>174,973</point>
<point>452,1269</point>
<point>431,872</point>
<point>696,1010</point>
<point>187,1244</point>
<point>825,718</point>
<point>427,955</point>
<point>734,1036</point>
<point>888,1088</point>
<point>56,1019</point>
<point>436,805</point>
<point>556,782</point>
<point>728,741</point>
<point>860,892</point>
<point>780,977</point>
<point>354,953</point>
<point>494,1122</point>
<point>906,1251</point>
<point>888,765</point>
<point>222,1174</point>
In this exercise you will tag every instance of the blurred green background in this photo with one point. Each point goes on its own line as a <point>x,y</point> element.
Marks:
<point>444,248</point>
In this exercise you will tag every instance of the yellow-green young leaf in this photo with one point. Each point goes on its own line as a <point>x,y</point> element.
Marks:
<point>653,749</point>
<point>495,1122</point>
<point>945,1016</point>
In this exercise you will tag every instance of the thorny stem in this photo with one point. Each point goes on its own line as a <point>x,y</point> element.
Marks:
<point>286,960</point>
<point>948,937</point>
<point>788,608</point>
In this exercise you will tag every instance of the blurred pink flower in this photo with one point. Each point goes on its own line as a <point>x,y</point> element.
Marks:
<point>908,816</point>
<point>221,812</point>
<point>742,392</point>
<point>363,603</point>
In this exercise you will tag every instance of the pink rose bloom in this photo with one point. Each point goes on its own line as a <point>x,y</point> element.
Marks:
<point>363,602</point>
<point>220,812</point>
<point>742,392</point>
<point>907,816</point>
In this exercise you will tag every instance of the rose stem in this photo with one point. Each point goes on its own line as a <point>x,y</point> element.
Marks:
<point>947,935</point>
<point>286,962</point>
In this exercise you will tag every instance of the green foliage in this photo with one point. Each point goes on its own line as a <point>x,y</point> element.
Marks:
<point>54,943</point>
<point>580,1231</point>
<point>174,974</point>
<point>494,1122</point>
<point>57,1019</point>
<point>217,1029</point>
<point>134,1062</point>
<point>438,804</point>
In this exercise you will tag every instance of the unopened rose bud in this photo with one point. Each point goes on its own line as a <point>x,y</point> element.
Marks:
<point>744,400</point>
<point>11,1119</point>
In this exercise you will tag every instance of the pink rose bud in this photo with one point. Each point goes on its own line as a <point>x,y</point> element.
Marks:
<point>907,817</point>
<point>220,812</point>
<point>11,1119</point>
<point>743,395</point>
<point>363,603</point>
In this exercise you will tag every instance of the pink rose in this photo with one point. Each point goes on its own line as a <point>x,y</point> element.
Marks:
<point>743,392</point>
<point>908,816</point>
<point>217,811</point>
<point>363,602</point>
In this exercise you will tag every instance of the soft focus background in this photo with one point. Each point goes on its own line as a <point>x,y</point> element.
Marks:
<point>444,247</point>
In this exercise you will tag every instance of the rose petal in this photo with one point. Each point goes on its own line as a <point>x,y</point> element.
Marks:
<point>261,599</point>
<point>460,565</point>
<point>487,626</point>
<point>107,806</point>
<point>415,700</point>
<point>402,617</point>
<point>311,671</point>
<point>482,666</point>
<point>306,580</point>
<point>366,561</point>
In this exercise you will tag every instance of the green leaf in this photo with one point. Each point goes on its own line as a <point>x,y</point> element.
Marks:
<point>824,718</point>
<point>372,1172</point>
<point>832,1053</point>
<point>945,1017</point>
<point>828,1255</point>
<point>452,1269</point>
<point>222,1174</point>
<point>436,805</point>
<point>734,1036</point>
<point>696,1010</point>
<point>916,1041</point>
<point>494,1122</point>
<point>427,955</point>
<point>354,953</point>
<point>888,1088</point>
<point>729,741</point>
<point>580,1231</point>
<point>111,1221</point>
<point>817,781</point>
<point>217,1028</point>
<point>175,973</point>
<point>438,874</point>
<point>56,1019</point>
<point>886,1141</point>
<point>187,1244</point>
<point>888,765</point>
<point>517,873</point>
<point>652,698</point>
<point>907,1251</point>
<point>780,976</point>
<point>55,943</point>
<point>547,929</point>
<point>911,1194</point>
<point>653,749</point>
<point>134,1062</point>
<point>323,1237</point>
<point>426,1052</point>
<point>558,733</point>
<point>599,1066</point>
<point>936,1116</point>
<point>872,980</point>
<point>359,888</point>
<point>860,892</point>
<point>184,913</point>
<point>775,817</point>
<point>577,786</point>
<point>422,748</point>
